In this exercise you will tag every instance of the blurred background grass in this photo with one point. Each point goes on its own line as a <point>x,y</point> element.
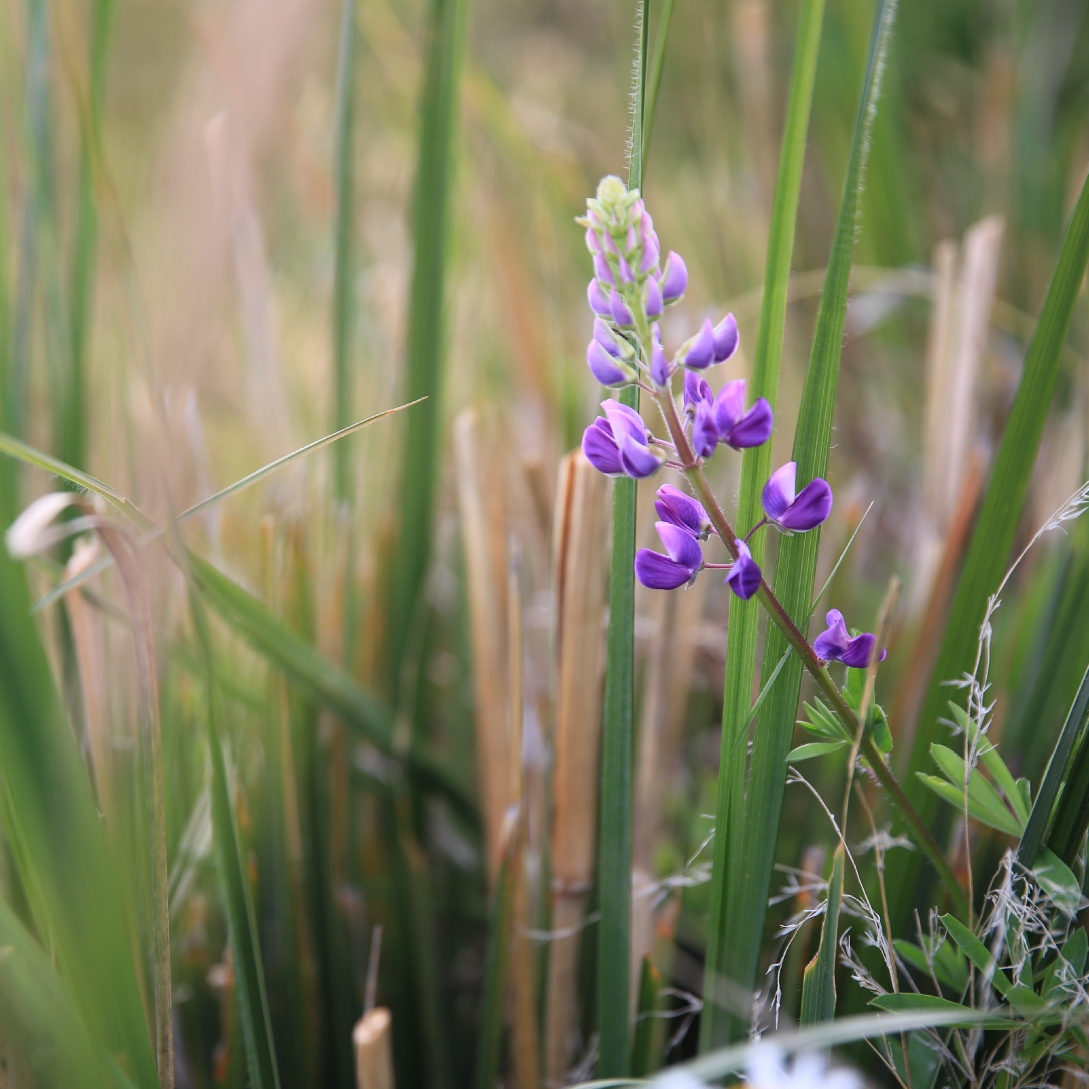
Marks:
<point>168,219</point>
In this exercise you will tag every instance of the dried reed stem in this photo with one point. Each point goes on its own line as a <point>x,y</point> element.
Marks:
<point>486,625</point>
<point>372,1041</point>
<point>580,528</point>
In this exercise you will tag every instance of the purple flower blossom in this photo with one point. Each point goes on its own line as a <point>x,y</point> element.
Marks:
<point>744,576</point>
<point>607,367</point>
<point>699,351</point>
<point>704,430</point>
<point>618,444</point>
<point>651,252</point>
<point>795,513</point>
<point>727,338</point>
<point>660,368</point>
<point>682,511</point>
<point>599,301</point>
<point>674,280</point>
<point>696,390</point>
<point>679,567</point>
<point>837,645</point>
<point>654,303</point>
<point>618,310</point>
<point>736,427</point>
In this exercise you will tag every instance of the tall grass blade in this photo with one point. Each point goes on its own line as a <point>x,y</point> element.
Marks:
<point>657,66</point>
<point>819,981</point>
<point>343,274</point>
<point>615,828</point>
<point>753,831</point>
<point>426,324</point>
<point>493,1001</point>
<point>988,554</point>
<point>235,885</point>
<point>755,468</point>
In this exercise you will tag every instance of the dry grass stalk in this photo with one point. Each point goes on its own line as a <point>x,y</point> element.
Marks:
<point>372,1041</point>
<point>486,628</point>
<point>87,640</point>
<point>579,535</point>
<point>526,1046</point>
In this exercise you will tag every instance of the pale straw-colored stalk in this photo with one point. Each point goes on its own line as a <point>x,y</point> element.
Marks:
<point>486,631</point>
<point>579,535</point>
<point>372,1041</point>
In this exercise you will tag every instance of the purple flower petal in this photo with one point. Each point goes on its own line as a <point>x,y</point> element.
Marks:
<point>619,310</point>
<point>726,338</point>
<point>654,302</point>
<point>637,460</point>
<point>859,649</point>
<point>674,280</point>
<point>831,644</point>
<point>627,276</point>
<point>704,431</point>
<point>754,428</point>
<point>811,507</point>
<point>593,243</point>
<point>680,545</point>
<point>696,390</point>
<point>600,448</point>
<point>658,572</point>
<point>604,367</point>
<point>660,369</point>
<point>778,492</point>
<point>599,301</point>
<point>699,352</point>
<point>625,421</point>
<point>730,405</point>
<point>602,270</point>
<point>604,336</point>
<point>682,510</point>
<point>744,576</point>
<point>650,253</point>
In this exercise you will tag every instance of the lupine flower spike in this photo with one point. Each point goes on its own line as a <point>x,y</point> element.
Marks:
<point>795,513</point>
<point>837,645</point>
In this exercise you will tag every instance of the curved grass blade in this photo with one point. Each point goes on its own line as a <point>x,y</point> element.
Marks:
<point>234,883</point>
<point>744,619</point>
<point>654,78</point>
<point>615,829</point>
<point>819,980</point>
<point>989,551</point>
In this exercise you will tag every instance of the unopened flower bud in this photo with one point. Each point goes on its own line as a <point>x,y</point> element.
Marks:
<point>660,369</point>
<point>650,255</point>
<point>617,347</point>
<point>699,352</point>
<point>726,338</point>
<point>599,301</point>
<point>593,243</point>
<point>606,368</point>
<point>618,310</point>
<point>602,270</point>
<point>654,302</point>
<point>704,431</point>
<point>674,281</point>
<point>626,274</point>
<point>696,391</point>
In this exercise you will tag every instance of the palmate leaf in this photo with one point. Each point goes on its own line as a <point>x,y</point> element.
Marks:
<point>744,618</point>
<point>984,803</point>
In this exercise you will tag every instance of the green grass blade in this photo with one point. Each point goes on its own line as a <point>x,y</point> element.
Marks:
<point>1072,812</point>
<point>992,540</point>
<point>57,842</point>
<point>654,76</point>
<point>614,831</point>
<point>819,981</point>
<point>744,619</point>
<point>343,276</point>
<point>426,324</point>
<point>494,999</point>
<point>235,886</point>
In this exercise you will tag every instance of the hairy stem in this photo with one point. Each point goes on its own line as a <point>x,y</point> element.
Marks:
<point>692,466</point>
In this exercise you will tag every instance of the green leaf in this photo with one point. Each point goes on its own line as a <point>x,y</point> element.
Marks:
<point>1057,880</point>
<point>821,721</point>
<point>716,1024</point>
<point>882,735</point>
<point>983,801</point>
<point>235,885</point>
<point>812,749</point>
<point>994,763</point>
<point>1026,1002</point>
<point>1000,514</point>
<point>494,997</point>
<point>950,967</point>
<point>976,952</point>
<point>750,793</point>
<point>819,980</point>
<point>902,1003</point>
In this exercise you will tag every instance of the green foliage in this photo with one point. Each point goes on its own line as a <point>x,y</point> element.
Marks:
<point>819,983</point>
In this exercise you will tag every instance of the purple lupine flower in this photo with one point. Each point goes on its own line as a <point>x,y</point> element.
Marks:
<point>837,645</point>
<point>660,368</point>
<point>736,427</point>
<point>682,510</point>
<point>795,513</point>
<point>727,338</point>
<point>593,243</point>
<point>704,430</point>
<point>674,281</point>
<point>698,352</point>
<point>598,300</point>
<point>618,444</point>
<point>602,270</point>
<point>654,303</point>
<point>618,310</point>
<point>607,368</point>
<point>627,276</point>
<point>651,252</point>
<point>679,567</point>
<point>744,576</point>
<point>696,390</point>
